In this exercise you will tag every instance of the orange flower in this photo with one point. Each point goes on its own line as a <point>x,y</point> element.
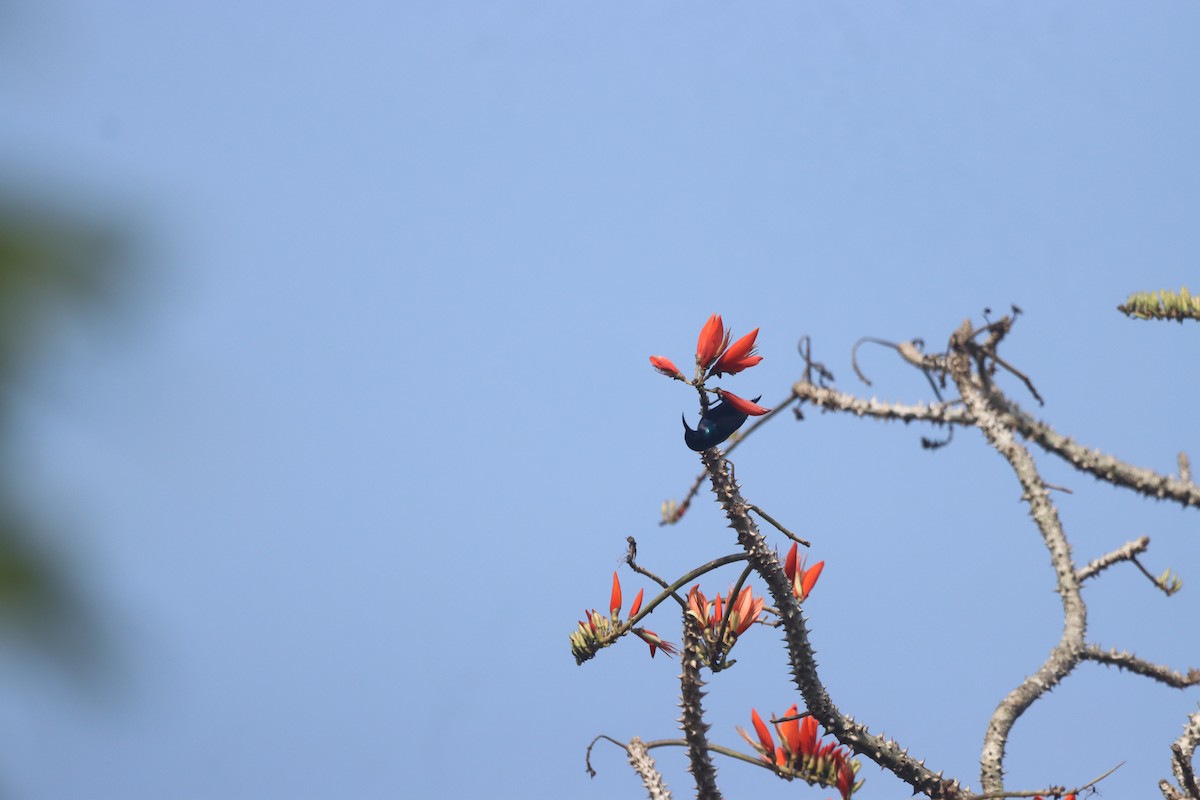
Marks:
<point>745,611</point>
<point>802,754</point>
<point>765,744</point>
<point>739,356</point>
<point>803,580</point>
<point>713,341</point>
<point>741,405</point>
<point>742,613</point>
<point>614,601</point>
<point>651,638</point>
<point>637,604</point>
<point>597,631</point>
<point>667,367</point>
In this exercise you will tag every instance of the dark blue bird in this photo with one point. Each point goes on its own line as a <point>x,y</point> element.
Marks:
<point>715,426</point>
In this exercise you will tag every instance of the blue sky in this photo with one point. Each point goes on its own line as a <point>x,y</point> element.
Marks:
<point>369,428</point>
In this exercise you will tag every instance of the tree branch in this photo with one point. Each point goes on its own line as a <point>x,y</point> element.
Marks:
<point>886,753</point>
<point>1063,658</point>
<point>833,400</point>
<point>643,765</point>
<point>695,729</point>
<point>1131,663</point>
<point>1183,749</point>
<point>1125,552</point>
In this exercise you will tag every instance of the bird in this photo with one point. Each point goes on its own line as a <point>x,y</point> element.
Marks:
<point>716,425</point>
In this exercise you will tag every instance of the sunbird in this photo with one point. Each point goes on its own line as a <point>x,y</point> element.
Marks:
<point>716,425</point>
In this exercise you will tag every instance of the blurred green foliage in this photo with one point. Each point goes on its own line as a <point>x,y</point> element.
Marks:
<point>52,264</point>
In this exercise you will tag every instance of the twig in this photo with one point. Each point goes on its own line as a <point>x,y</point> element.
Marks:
<point>854,354</point>
<point>713,748</point>
<point>1128,661</point>
<point>1125,552</point>
<point>1162,585</point>
<point>1054,790</point>
<point>804,346</point>
<point>670,589</point>
<point>587,760</point>
<point>778,527</point>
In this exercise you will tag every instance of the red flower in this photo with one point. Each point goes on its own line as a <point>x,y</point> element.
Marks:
<point>667,367</point>
<point>802,754</point>
<point>742,613</point>
<point>713,341</point>
<point>651,638</point>
<point>614,601</point>
<point>803,580</point>
<point>597,631</point>
<point>745,610</point>
<point>637,604</point>
<point>765,744</point>
<point>741,405</point>
<point>739,356</point>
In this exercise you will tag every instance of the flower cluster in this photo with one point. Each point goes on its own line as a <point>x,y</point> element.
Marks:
<point>715,356</point>
<point>723,621</point>
<point>803,580</point>
<point>801,753</point>
<point>598,631</point>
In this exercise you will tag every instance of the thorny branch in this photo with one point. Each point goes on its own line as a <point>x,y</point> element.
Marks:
<point>691,720</point>
<point>1125,552</point>
<point>1104,467</point>
<point>643,765</point>
<point>886,753</point>
<point>1130,662</point>
<point>970,363</point>
<point>973,386</point>
<point>1183,749</point>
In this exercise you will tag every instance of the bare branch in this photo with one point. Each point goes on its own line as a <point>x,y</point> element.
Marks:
<point>1105,467</point>
<point>1169,792</point>
<point>1128,661</point>
<point>643,765</point>
<point>1183,749</point>
<point>1053,790</point>
<point>587,759</point>
<point>779,527</point>
<point>1125,552</point>
<point>963,352</point>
